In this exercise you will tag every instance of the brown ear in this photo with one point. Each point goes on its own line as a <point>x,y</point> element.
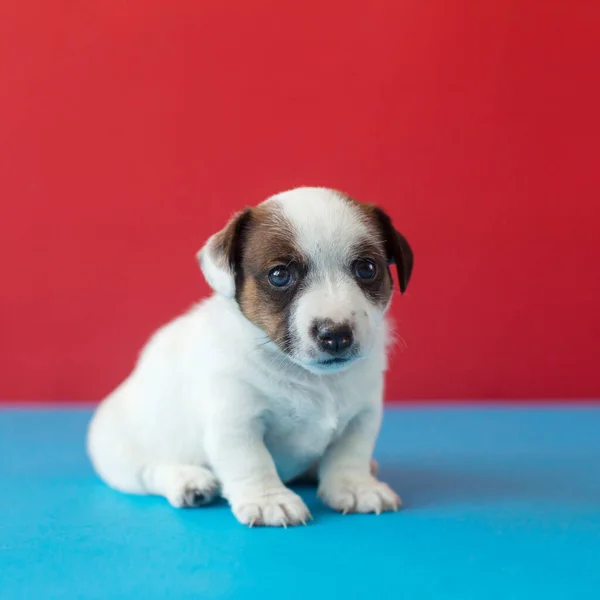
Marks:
<point>221,256</point>
<point>398,250</point>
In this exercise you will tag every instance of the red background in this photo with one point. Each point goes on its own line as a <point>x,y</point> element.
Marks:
<point>129,131</point>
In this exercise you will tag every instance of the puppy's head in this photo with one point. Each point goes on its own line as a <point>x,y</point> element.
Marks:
<point>310,267</point>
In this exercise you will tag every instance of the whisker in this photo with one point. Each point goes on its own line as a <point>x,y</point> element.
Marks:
<point>397,340</point>
<point>267,340</point>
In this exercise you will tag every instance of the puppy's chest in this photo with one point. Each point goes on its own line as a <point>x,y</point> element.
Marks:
<point>299,427</point>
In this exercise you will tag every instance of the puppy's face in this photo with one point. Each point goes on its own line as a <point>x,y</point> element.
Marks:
<point>310,267</point>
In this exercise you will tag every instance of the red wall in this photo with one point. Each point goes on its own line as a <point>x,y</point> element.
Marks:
<point>129,131</point>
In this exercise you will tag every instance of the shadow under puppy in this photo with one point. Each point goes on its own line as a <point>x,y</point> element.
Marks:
<point>280,373</point>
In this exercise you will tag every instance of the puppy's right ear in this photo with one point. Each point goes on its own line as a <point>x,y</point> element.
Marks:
<point>398,250</point>
<point>220,258</point>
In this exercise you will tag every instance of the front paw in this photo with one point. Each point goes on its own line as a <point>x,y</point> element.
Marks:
<point>358,494</point>
<point>274,508</point>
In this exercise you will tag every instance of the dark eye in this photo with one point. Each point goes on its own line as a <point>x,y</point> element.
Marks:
<point>280,276</point>
<point>364,269</point>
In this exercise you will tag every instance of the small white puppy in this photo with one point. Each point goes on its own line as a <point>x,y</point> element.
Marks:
<point>278,374</point>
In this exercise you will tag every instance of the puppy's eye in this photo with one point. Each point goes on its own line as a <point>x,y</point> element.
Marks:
<point>281,276</point>
<point>364,268</point>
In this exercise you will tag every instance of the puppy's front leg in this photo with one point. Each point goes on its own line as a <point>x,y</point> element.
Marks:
<point>347,484</point>
<point>249,478</point>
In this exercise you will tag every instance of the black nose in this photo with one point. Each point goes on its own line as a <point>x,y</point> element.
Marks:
<point>333,338</point>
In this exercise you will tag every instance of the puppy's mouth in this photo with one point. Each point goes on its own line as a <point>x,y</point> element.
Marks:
<point>334,361</point>
<point>330,365</point>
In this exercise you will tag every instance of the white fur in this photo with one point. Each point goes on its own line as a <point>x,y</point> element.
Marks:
<point>210,408</point>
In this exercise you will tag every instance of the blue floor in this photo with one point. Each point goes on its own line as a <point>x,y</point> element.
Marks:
<point>499,504</point>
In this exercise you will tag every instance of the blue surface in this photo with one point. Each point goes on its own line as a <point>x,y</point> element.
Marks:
<point>500,503</point>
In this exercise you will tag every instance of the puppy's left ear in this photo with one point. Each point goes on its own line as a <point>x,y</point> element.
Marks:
<point>398,250</point>
<point>221,256</point>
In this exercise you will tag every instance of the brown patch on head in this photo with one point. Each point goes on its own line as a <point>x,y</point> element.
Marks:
<point>268,243</point>
<point>395,246</point>
<point>379,288</point>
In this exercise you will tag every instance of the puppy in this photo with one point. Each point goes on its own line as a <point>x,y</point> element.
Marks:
<point>278,374</point>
